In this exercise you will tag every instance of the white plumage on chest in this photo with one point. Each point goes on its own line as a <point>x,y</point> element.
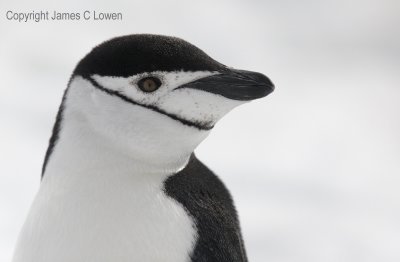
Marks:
<point>105,217</point>
<point>106,220</point>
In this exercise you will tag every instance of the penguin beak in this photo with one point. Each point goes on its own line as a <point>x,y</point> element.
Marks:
<point>234,84</point>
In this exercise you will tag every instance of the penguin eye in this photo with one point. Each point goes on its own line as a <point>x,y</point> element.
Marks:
<point>149,84</point>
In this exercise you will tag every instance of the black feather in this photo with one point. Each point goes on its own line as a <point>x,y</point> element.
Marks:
<point>209,203</point>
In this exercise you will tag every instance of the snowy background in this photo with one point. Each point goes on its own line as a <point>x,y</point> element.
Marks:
<point>314,168</point>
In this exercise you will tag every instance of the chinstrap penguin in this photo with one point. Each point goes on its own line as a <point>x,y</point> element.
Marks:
<point>120,181</point>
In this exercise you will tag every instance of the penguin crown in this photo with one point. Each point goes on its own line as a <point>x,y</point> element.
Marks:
<point>135,54</point>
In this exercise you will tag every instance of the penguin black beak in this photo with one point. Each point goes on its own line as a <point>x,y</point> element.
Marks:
<point>234,84</point>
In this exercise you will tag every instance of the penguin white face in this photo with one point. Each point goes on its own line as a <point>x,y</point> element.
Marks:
<point>156,97</point>
<point>163,92</point>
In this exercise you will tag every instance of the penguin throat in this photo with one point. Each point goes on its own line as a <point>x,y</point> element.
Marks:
<point>80,151</point>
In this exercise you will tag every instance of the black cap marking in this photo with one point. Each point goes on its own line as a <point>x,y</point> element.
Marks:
<point>134,54</point>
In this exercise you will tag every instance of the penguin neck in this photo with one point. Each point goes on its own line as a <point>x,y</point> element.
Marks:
<point>79,145</point>
<point>80,154</point>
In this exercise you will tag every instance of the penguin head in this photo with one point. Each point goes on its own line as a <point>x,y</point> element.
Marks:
<point>156,97</point>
